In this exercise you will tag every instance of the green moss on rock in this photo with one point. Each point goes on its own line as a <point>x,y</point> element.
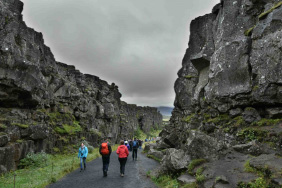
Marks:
<point>24,126</point>
<point>248,32</point>
<point>264,14</point>
<point>188,118</point>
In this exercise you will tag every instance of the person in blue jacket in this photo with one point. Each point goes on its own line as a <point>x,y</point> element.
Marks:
<point>82,154</point>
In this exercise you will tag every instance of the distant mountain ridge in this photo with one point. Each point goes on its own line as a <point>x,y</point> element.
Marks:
<point>165,110</point>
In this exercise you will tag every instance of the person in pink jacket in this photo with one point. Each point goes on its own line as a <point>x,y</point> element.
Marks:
<point>122,152</point>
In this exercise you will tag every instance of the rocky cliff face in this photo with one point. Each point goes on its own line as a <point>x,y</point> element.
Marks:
<point>47,105</point>
<point>229,93</point>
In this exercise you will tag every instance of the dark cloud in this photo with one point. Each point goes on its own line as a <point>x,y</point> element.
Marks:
<point>138,45</point>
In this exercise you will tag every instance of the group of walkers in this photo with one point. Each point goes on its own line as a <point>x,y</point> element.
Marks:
<point>105,150</point>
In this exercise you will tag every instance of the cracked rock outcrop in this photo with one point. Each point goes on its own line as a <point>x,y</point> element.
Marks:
<point>47,105</point>
<point>229,91</point>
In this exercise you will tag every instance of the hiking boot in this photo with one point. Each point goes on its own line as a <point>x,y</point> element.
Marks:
<point>80,170</point>
<point>85,167</point>
<point>105,173</point>
<point>122,175</point>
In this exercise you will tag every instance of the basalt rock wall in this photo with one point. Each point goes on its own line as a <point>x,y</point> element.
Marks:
<point>229,90</point>
<point>50,106</point>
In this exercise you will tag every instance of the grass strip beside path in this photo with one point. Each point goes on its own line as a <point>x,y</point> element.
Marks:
<point>41,177</point>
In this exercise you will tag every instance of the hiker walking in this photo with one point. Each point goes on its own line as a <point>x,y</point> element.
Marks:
<point>122,152</point>
<point>105,150</point>
<point>134,149</point>
<point>127,145</point>
<point>140,144</point>
<point>82,154</point>
<point>130,145</point>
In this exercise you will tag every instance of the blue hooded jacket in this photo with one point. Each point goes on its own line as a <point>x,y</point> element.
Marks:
<point>83,152</point>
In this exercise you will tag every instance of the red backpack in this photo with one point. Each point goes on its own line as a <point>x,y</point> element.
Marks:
<point>105,149</point>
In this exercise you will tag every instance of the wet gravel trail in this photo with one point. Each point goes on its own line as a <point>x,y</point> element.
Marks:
<point>135,174</point>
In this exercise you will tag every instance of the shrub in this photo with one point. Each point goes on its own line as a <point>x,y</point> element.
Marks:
<point>34,160</point>
<point>252,134</point>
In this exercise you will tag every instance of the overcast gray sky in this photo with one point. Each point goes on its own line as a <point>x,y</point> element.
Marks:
<point>137,44</point>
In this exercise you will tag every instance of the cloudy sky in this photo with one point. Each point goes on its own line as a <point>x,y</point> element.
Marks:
<point>137,44</point>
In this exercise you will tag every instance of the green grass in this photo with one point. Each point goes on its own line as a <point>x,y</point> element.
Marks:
<point>165,181</point>
<point>200,178</point>
<point>194,163</point>
<point>267,122</point>
<point>262,172</point>
<point>155,158</point>
<point>40,177</point>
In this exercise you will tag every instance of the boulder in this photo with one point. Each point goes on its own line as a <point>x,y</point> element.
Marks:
<point>251,115</point>
<point>200,145</point>
<point>150,146</point>
<point>253,148</point>
<point>156,153</point>
<point>186,179</point>
<point>7,158</point>
<point>39,132</point>
<point>273,163</point>
<point>277,181</point>
<point>235,112</point>
<point>175,160</point>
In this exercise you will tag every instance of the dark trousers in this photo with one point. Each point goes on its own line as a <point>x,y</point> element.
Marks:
<point>106,162</point>
<point>122,162</point>
<point>134,153</point>
<point>83,161</point>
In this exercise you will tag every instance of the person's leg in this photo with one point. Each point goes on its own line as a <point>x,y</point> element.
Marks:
<point>136,154</point>
<point>124,162</point>
<point>133,154</point>
<point>107,165</point>
<point>84,162</point>
<point>81,160</point>
<point>120,163</point>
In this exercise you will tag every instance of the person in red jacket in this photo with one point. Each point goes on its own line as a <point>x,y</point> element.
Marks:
<point>122,152</point>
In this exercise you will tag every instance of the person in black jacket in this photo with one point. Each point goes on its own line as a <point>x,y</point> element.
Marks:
<point>105,150</point>
<point>135,147</point>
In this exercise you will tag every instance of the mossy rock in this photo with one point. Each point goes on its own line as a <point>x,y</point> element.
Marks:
<point>24,126</point>
<point>248,32</point>
<point>267,122</point>
<point>264,14</point>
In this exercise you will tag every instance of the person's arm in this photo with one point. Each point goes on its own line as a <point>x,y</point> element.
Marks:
<point>126,151</point>
<point>86,151</point>
<point>117,150</point>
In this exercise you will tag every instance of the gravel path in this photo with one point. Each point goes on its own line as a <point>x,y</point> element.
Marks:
<point>135,174</point>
